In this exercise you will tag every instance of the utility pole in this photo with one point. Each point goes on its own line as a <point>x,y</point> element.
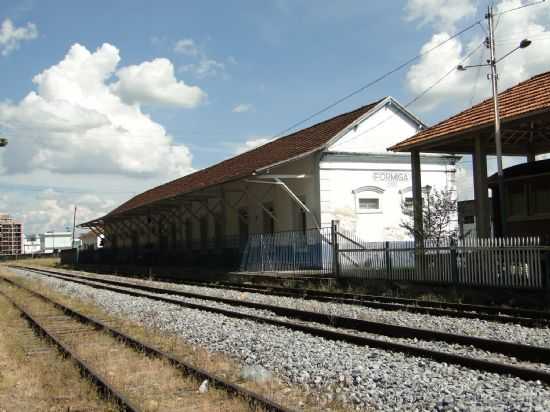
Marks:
<point>498,137</point>
<point>74,225</point>
<point>493,76</point>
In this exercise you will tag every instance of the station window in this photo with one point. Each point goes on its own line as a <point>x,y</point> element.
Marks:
<point>368,203</point>
<point>368,199</point>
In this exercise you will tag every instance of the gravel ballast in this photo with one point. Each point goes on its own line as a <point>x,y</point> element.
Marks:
<point>360,376</point>
<point>508,332</point>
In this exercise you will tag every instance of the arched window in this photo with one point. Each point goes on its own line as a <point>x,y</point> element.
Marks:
<point>368,199</point>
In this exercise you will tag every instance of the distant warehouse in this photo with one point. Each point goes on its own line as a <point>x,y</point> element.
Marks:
<point>336,170</point>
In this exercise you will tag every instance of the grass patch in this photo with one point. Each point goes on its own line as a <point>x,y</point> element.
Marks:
<point>217,363</point>
<point>34,376</point>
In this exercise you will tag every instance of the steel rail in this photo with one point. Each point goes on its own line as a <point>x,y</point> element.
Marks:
<point>107,391</point>
<point>517,350</point>
<point>526,352</point>
<point>254,399</point>
<point>520,351</point>
<point>527,317</point>
<point>423,307</point>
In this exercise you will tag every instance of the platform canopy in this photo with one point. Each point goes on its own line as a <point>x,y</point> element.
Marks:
<point>525,117</point>
<point>525,125</point>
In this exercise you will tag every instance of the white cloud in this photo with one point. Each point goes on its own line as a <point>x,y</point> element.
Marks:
<point>443,14</point>
<point>204,68</point>
<point>53,211</point>
<point>74,125</point>
<point>252,143</point>
<point>242,108</point>
<point>431,67</point>
<point>186,47</point>
<point>11,36</point>
<point>460,87</point>
<point>153,82</point>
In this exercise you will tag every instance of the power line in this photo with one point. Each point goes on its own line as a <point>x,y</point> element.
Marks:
<point>474,88</point>
<point>519,7</point>
<point>378,79</point>
<point>419,96</point>
<point>452,70</point>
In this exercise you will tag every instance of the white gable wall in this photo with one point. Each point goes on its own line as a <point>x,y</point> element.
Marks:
<point>376,132</point>
<point>358,166</point>
<point>347,180</point>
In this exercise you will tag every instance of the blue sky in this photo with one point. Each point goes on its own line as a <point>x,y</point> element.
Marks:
<point>243,71</point>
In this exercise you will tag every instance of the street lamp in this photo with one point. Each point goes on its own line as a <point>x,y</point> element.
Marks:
<point>492,63</point>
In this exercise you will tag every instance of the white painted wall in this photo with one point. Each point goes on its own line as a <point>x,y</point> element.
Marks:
<point>30,246</point>
<point>358,166</point>
<point>51,241</point>
<point>378,131</point>
<point>389,182</point>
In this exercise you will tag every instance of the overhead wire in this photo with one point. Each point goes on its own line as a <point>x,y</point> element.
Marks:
<point>378,79</point>
<point>523,6</point>
<point>417,97</point>
<point>474,87</point>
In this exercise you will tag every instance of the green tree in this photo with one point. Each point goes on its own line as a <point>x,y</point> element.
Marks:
<point>439,209</point>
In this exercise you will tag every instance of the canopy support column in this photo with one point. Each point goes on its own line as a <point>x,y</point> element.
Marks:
<point>481,189</point>
<point>417,197</point>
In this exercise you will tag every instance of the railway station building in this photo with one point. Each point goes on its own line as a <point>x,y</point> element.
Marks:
<point>336,170</point>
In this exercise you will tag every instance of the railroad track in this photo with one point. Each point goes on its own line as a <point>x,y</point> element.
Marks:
<point>524,317</point>
<point>65,327</point>
<point>332,325</point>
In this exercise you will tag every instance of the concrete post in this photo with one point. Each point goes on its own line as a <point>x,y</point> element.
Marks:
<point>481,189</point>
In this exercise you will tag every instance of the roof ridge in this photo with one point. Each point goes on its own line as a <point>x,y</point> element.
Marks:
<point>251,159</point>
<point>265,144</point>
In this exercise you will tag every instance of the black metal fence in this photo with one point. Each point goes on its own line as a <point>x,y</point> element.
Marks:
<point>519,263</point>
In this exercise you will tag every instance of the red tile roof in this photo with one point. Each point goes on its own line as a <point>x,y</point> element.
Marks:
<point>527,97</point>
<point>299,143</point>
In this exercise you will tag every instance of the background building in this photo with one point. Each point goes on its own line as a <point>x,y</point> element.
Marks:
<point>11,236</point>
<point>51,242</point>
<point>31,244</point>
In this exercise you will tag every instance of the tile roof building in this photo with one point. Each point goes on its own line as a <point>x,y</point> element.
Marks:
<point>338,169</point>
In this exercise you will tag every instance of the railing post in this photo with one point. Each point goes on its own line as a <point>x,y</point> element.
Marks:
<point>387,259</point>
<point>262,252</point>
<point>546,272</point>
<point>454,261</point>
<point>334,240</point>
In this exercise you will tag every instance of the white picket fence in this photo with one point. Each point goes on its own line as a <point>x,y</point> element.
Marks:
<point>500,262</point>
